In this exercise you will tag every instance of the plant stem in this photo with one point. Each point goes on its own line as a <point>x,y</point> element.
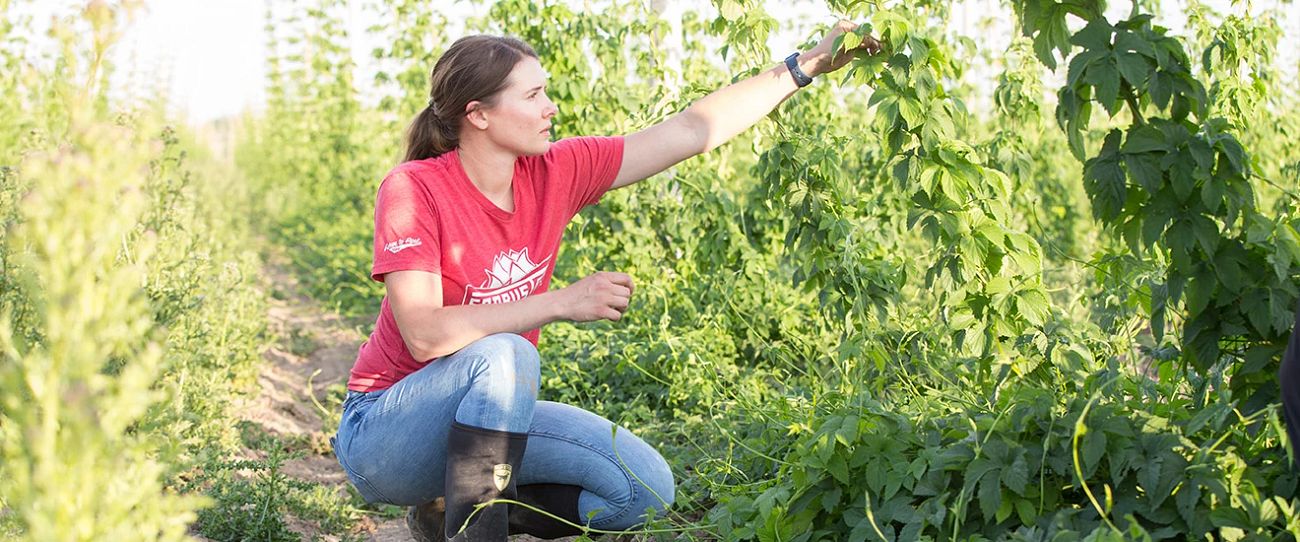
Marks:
<point>1133,106</point>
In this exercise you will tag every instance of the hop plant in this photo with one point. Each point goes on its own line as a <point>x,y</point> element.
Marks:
<point>73,467</point>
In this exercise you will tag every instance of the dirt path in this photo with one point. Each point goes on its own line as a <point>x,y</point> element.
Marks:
<point>309,361</point>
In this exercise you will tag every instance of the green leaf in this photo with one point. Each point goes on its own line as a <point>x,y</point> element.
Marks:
<point>1181,108</point>
<point>901,169</point>
<point>1254,304</point>
<point>1153,226</point>
<point>1229,263</point>
<point>1074,137</point>
<point>1145,169</point>
<point>1095,35</point>
<point>1144,138</point>
<point>1025,252</point>
<point>1135,68</point>
<point>1080,63</point>
<point>1187,499</point>
<point>1033,307</point>
<point>831,498</point>
<point>1104,75</point>
<point>1206,232</point>
<point>1236,155</point>
<point>1161,89</point>
<point>1016,476</point>
<point>839,468</point>
<point>978,469</point>
<point>1201,152</point>
<point>847,41</point>
<point>848,432</point>
<point>1130,41</point>
<point>1094,446</point>
<point>1230,517</point>
<point>731,10</point>
<point>1182,180</point>
<point>1156,308</point>
<point>1004,510</point>
<point>990,496</point>
<point>1286,250</point>
<point>1200,289</point>
<point>1025,511</point>
<point>1104,180</point>
<point>1052,33</point>
<point>1148,475</point>
<point>1212,193</point>
<point>910,109</point>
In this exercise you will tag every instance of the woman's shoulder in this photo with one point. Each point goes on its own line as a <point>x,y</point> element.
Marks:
<point>428,171</point>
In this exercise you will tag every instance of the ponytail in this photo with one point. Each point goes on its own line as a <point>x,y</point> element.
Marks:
<point>429,136</point>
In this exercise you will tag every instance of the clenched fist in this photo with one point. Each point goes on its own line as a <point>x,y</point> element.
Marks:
<point>602,295</point>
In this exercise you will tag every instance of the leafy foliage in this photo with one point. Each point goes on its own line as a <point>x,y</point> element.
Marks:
<point>900,319</point>
<point>894,312</point>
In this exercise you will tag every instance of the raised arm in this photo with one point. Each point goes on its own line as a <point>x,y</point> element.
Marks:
<point>720,116</point>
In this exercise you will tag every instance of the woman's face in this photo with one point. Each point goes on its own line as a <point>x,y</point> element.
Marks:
<point>521,118</point>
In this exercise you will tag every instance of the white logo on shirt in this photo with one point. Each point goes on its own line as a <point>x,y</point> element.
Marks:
<point>402,244</point>
<point>513,276</point>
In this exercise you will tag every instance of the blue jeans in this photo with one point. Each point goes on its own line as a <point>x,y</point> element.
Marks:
<point>392,443</point>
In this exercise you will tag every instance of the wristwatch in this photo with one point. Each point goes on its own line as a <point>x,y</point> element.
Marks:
<point>800,78</point>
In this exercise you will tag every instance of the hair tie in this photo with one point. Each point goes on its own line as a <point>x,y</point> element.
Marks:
<point>433,105</point>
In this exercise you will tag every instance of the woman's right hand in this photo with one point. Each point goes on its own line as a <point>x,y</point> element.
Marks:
<point>602,295</point>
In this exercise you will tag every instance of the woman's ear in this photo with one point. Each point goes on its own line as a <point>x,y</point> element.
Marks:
<point>475,115</point>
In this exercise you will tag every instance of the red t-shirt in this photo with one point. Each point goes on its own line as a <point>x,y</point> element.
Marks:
<point>430,217</point>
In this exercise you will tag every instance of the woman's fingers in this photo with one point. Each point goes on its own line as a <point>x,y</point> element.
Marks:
<point>870,45</point>
<point>620,290</point>
<point>622,279</point>
<point>831,58</point>
<point>613,294</point>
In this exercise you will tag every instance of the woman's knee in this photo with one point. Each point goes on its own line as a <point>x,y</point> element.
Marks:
<point>506,357</point>
<point>656,487</point>
<point>651,488</point>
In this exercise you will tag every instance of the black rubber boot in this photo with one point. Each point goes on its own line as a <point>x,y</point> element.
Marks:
<point>481,466</point>
<point>558,499</point>
<point>426,521</point>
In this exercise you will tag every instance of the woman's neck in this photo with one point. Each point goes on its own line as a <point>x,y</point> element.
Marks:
<point>490,168</point>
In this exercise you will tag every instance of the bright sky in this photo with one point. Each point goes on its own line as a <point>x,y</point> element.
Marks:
<point>213,52</point>
<point>210,54</point>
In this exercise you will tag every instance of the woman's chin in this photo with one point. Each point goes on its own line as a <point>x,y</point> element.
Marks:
<point>540,149</point>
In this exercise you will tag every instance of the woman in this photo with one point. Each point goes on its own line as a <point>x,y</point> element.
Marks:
<point>442,412</point>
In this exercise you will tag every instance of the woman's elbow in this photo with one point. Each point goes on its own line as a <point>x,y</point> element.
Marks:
<point>695,133</point>
<point>419,349</point>
<point>425,348</point>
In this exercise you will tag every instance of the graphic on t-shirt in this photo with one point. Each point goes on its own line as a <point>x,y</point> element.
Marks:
<point>402,244</point>
<point>512,277</point>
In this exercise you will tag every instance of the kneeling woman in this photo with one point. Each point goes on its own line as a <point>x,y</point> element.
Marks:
<point>442,412</point>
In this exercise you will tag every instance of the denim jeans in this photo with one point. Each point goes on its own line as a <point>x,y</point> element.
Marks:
<point>392,443</point>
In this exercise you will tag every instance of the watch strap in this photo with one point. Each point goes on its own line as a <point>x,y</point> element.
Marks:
<point>800,78</point>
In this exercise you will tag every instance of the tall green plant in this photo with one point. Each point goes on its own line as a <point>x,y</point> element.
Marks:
<point>74,469</point>
<point>1177,186</point>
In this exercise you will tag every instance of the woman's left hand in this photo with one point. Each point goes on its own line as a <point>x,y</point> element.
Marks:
<point>821,59</point>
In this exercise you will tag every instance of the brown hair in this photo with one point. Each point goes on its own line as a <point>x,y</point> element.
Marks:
<point>473,68</point>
